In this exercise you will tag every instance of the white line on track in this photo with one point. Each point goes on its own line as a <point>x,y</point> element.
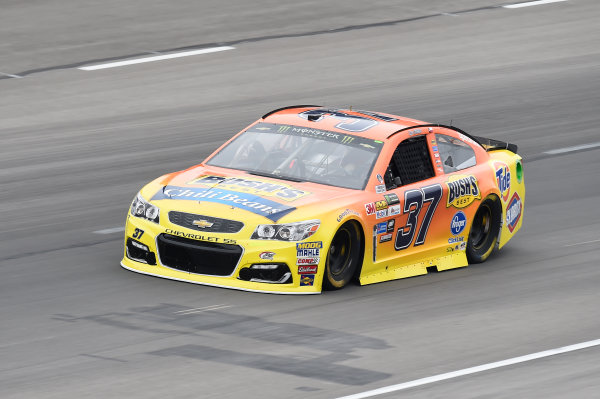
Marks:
<point>531,3</point>
<point>200,310</point>
<point>12,76</point>
<point>582,243</point>
<point>574,148</point>
<point>473,370</point>
<point>110,231</point>
<point>155,58</point>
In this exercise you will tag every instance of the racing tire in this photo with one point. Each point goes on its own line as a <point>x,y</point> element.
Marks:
<point>343,257</point>
<point>484,230</point>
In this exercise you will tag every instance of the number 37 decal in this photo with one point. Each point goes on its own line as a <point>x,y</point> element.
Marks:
<point>413,204</point>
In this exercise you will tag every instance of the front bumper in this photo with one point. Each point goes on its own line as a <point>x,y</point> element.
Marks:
<point>220,260</point>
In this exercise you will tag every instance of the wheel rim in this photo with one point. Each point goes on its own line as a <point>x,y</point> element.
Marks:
<point>482,227</point>
<point>340,250</point>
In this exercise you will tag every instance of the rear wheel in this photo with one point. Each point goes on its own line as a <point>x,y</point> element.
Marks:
<point>343,257</point>
<point>484,230</point>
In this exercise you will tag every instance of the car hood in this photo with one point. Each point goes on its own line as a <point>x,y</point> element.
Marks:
<point>239,195</point>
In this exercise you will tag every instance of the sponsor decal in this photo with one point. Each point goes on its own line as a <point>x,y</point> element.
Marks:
<point>380,188</point>
<point>307,280</point>
<point>381,214</point>
<point>385,237</point>
<point>381,227</point>
<point>390,225</point>
<point>462,191</point>
<point>369,146</point>
<point>307,261</point>
<point>260,206</point>
<point>200,237</point>
<point>381,205</point>
<point>347,139</point>
<point>413,132</point>
<point>312,269</point>
<point>513,212</point>
<point>503,179</point>
<point>309,249</point>
<point>267,255</point>
<point>252,186</point>
<point>346,213</point>
<point>458,223</point>
<point>467,139</point>
<point>436,154</point>
<point>453,240</point>
<point>463,246</point>
<point>391,199</point>
<point>394,210</point>
<point>434,148</point>
<point>370,208</point>
<point>379,178</point>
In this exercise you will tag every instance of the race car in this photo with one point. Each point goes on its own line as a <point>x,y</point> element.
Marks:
<point>310,198</point>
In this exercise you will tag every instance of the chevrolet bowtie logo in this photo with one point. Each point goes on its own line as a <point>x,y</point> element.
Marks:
<point>202,223</point>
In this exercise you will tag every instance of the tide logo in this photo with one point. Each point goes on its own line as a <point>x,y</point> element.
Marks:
<point>503,179</point>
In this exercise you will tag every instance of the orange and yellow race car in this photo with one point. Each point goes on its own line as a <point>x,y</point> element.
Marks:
<point>308,198</point>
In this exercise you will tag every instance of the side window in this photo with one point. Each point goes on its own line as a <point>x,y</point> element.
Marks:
<point>455,154</point>
<point>410,163</point>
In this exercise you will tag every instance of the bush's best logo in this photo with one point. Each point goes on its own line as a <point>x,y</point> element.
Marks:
<point>251,186</point>
<point>458,224</point>
<point>513,212</point>
<point>462,191</point>
<point>503,179</point>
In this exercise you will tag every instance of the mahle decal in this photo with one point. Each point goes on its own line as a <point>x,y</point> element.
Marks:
<point>252,186</point>
<point>503,179</point>
<point>462,191</point>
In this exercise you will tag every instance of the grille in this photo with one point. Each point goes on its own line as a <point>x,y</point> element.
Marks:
<point>218,225</point>
<point>198,257</point>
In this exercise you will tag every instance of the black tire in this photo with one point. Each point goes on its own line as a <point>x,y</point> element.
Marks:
<point>484,230</point>
<point>343,257</point>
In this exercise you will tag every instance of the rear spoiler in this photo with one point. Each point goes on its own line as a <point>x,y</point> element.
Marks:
<point>493,145</point>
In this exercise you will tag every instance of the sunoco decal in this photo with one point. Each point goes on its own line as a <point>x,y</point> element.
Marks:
<point>462,191</point>
<point>503,179</point>
<point>513,212</point>
<point>458,224</point>
<point>253,186</point>
<point>260,206</point>
<point>307,280</point>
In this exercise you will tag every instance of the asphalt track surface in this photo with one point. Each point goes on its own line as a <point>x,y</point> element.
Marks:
<point>77,145</point>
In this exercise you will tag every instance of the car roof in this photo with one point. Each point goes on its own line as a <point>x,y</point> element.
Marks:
<point>386,124</point>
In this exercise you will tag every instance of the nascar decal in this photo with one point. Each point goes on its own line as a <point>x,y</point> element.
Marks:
<point>199,237</point>
<point>503,179</point>
<point>462,191</point>
<point>253,186</point>
<point>307,269</point>
<point>458,223</point>
<point>260,206</point>
<point>513,212</point>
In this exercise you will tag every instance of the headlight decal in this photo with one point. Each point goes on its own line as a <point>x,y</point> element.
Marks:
<point>145,210</point>
<point>286,232</point>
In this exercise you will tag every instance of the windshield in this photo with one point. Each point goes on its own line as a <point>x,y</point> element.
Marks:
<point>301,154</point>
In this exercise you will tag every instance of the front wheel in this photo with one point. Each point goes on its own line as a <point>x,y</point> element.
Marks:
<point>343,257</point>
<point>484,231</point>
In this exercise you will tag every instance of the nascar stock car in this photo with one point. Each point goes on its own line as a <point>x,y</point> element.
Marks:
<point>309,198</point>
